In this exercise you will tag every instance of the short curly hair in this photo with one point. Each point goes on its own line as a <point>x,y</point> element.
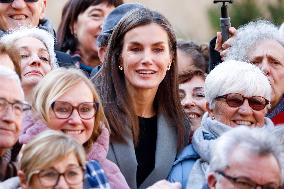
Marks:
<point>249,35</point>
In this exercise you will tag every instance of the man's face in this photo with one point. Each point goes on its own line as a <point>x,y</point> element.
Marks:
<point>20,13</point>
<point>268,55</point>
<point>246,169</point>
<point>10,122</point>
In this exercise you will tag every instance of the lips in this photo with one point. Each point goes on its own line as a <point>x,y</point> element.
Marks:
<point>8,129</point>
<point>34,72</point>
<point>18,17</point>
<point>243,122</point>
<point>146,72</point>
<point>193,112</point>
<point>72,132</point>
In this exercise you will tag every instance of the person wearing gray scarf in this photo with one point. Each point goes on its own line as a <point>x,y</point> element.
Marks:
<point>236,93</point>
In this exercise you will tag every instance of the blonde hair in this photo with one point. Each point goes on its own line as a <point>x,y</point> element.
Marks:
<point>49,147</point>
<point>58,82</point>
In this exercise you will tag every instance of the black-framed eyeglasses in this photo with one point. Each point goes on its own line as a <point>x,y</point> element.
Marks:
<point>18,107</point>
<point>245,183</point>
<point>10,1</point>
<point>63,110</point>
<point>236,100</point>
<point>50,177</point>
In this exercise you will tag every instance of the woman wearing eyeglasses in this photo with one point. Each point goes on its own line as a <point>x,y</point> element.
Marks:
<point>237,93</point>
<point>68,102</point>
<point>52,160</point>
<point>55,160</point>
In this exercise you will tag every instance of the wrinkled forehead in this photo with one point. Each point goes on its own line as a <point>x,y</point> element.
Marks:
<point>268,47</point>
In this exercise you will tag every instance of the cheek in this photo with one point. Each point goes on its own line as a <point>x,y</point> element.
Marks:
<point>55,123</point>
<point>201,104</point>
<point>24,64</point>
<point>46,68</point>
<point>259,117</point>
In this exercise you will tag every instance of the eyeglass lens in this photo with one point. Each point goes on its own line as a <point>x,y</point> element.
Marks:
<point>63,110</point>
<point>236,100</point>
<point>50,177</point>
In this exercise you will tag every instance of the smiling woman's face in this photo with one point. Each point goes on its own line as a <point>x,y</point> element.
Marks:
<point>145,57</point>
<point>35,60</point>
<point>78,128</point>
<point>235,116</point>
<point>193,99</point>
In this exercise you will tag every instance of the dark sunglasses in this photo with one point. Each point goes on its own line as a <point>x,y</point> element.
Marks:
<point>10,1</point>
<point>236,100</point>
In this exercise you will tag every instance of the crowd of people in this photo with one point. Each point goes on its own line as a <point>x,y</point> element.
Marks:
<point>113,100</point>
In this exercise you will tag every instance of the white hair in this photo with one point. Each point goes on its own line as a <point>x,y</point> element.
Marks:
<point>46,38</point>
<point>236,77</point>
<point>255,140</point>
<point>249,35</point>
<point>281,30</point>
<point>10,74</point>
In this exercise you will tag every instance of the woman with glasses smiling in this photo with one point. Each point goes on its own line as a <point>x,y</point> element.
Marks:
<point>52,160</point>
<point>236,93</point>
<point>68,102</point>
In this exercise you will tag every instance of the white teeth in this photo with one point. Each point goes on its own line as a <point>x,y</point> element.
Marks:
<point>146,72</point>
<point>19,17</point>
<point>247,123</point>
<point>71,132</point>
<point>192,116</point>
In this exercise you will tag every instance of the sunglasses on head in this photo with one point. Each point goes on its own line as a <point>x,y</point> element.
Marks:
<point>10,1</point>
<point>236,100</point>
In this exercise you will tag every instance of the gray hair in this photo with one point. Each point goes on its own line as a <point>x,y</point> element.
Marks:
<point>256,140</point>
<point>278,132</point>
<point>249,35</point>
<point>46,38</point>
<point>11,74</point>
<point>236,77</point>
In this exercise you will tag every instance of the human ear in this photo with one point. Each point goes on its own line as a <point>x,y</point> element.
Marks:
<point>22,178</point>
<point>211,180</point>
<point>209,110</point>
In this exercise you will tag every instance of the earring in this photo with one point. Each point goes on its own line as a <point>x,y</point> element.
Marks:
<point>169,67</point>
<point>120,67</point>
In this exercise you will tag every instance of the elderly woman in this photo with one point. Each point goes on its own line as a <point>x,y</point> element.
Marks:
<point>237,93</point>
<point>59,101</point>
<point>36,49</point>
<point>37,58</point>
<point>262,44</point>
<point>79,28</point>
<point>50,155</point>
<point>138,87</point>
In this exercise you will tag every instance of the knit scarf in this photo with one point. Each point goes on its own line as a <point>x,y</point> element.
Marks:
<point>202,142</point>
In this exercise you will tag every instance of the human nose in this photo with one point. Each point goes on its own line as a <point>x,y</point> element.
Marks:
<point>35,60</point>
<point>18,4</point>
<point>8,114</point>
<point>188,101</point>
<point>75,117</point>
<point>147,57</point>
<point>265,68</point>
<point>245,108</point>
<point>61,184</point>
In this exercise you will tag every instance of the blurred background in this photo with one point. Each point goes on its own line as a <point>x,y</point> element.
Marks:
<point>197,20</point>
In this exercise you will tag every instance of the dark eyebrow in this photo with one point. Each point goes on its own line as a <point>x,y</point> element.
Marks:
<point>96,9</point>
<point>198,88</point>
